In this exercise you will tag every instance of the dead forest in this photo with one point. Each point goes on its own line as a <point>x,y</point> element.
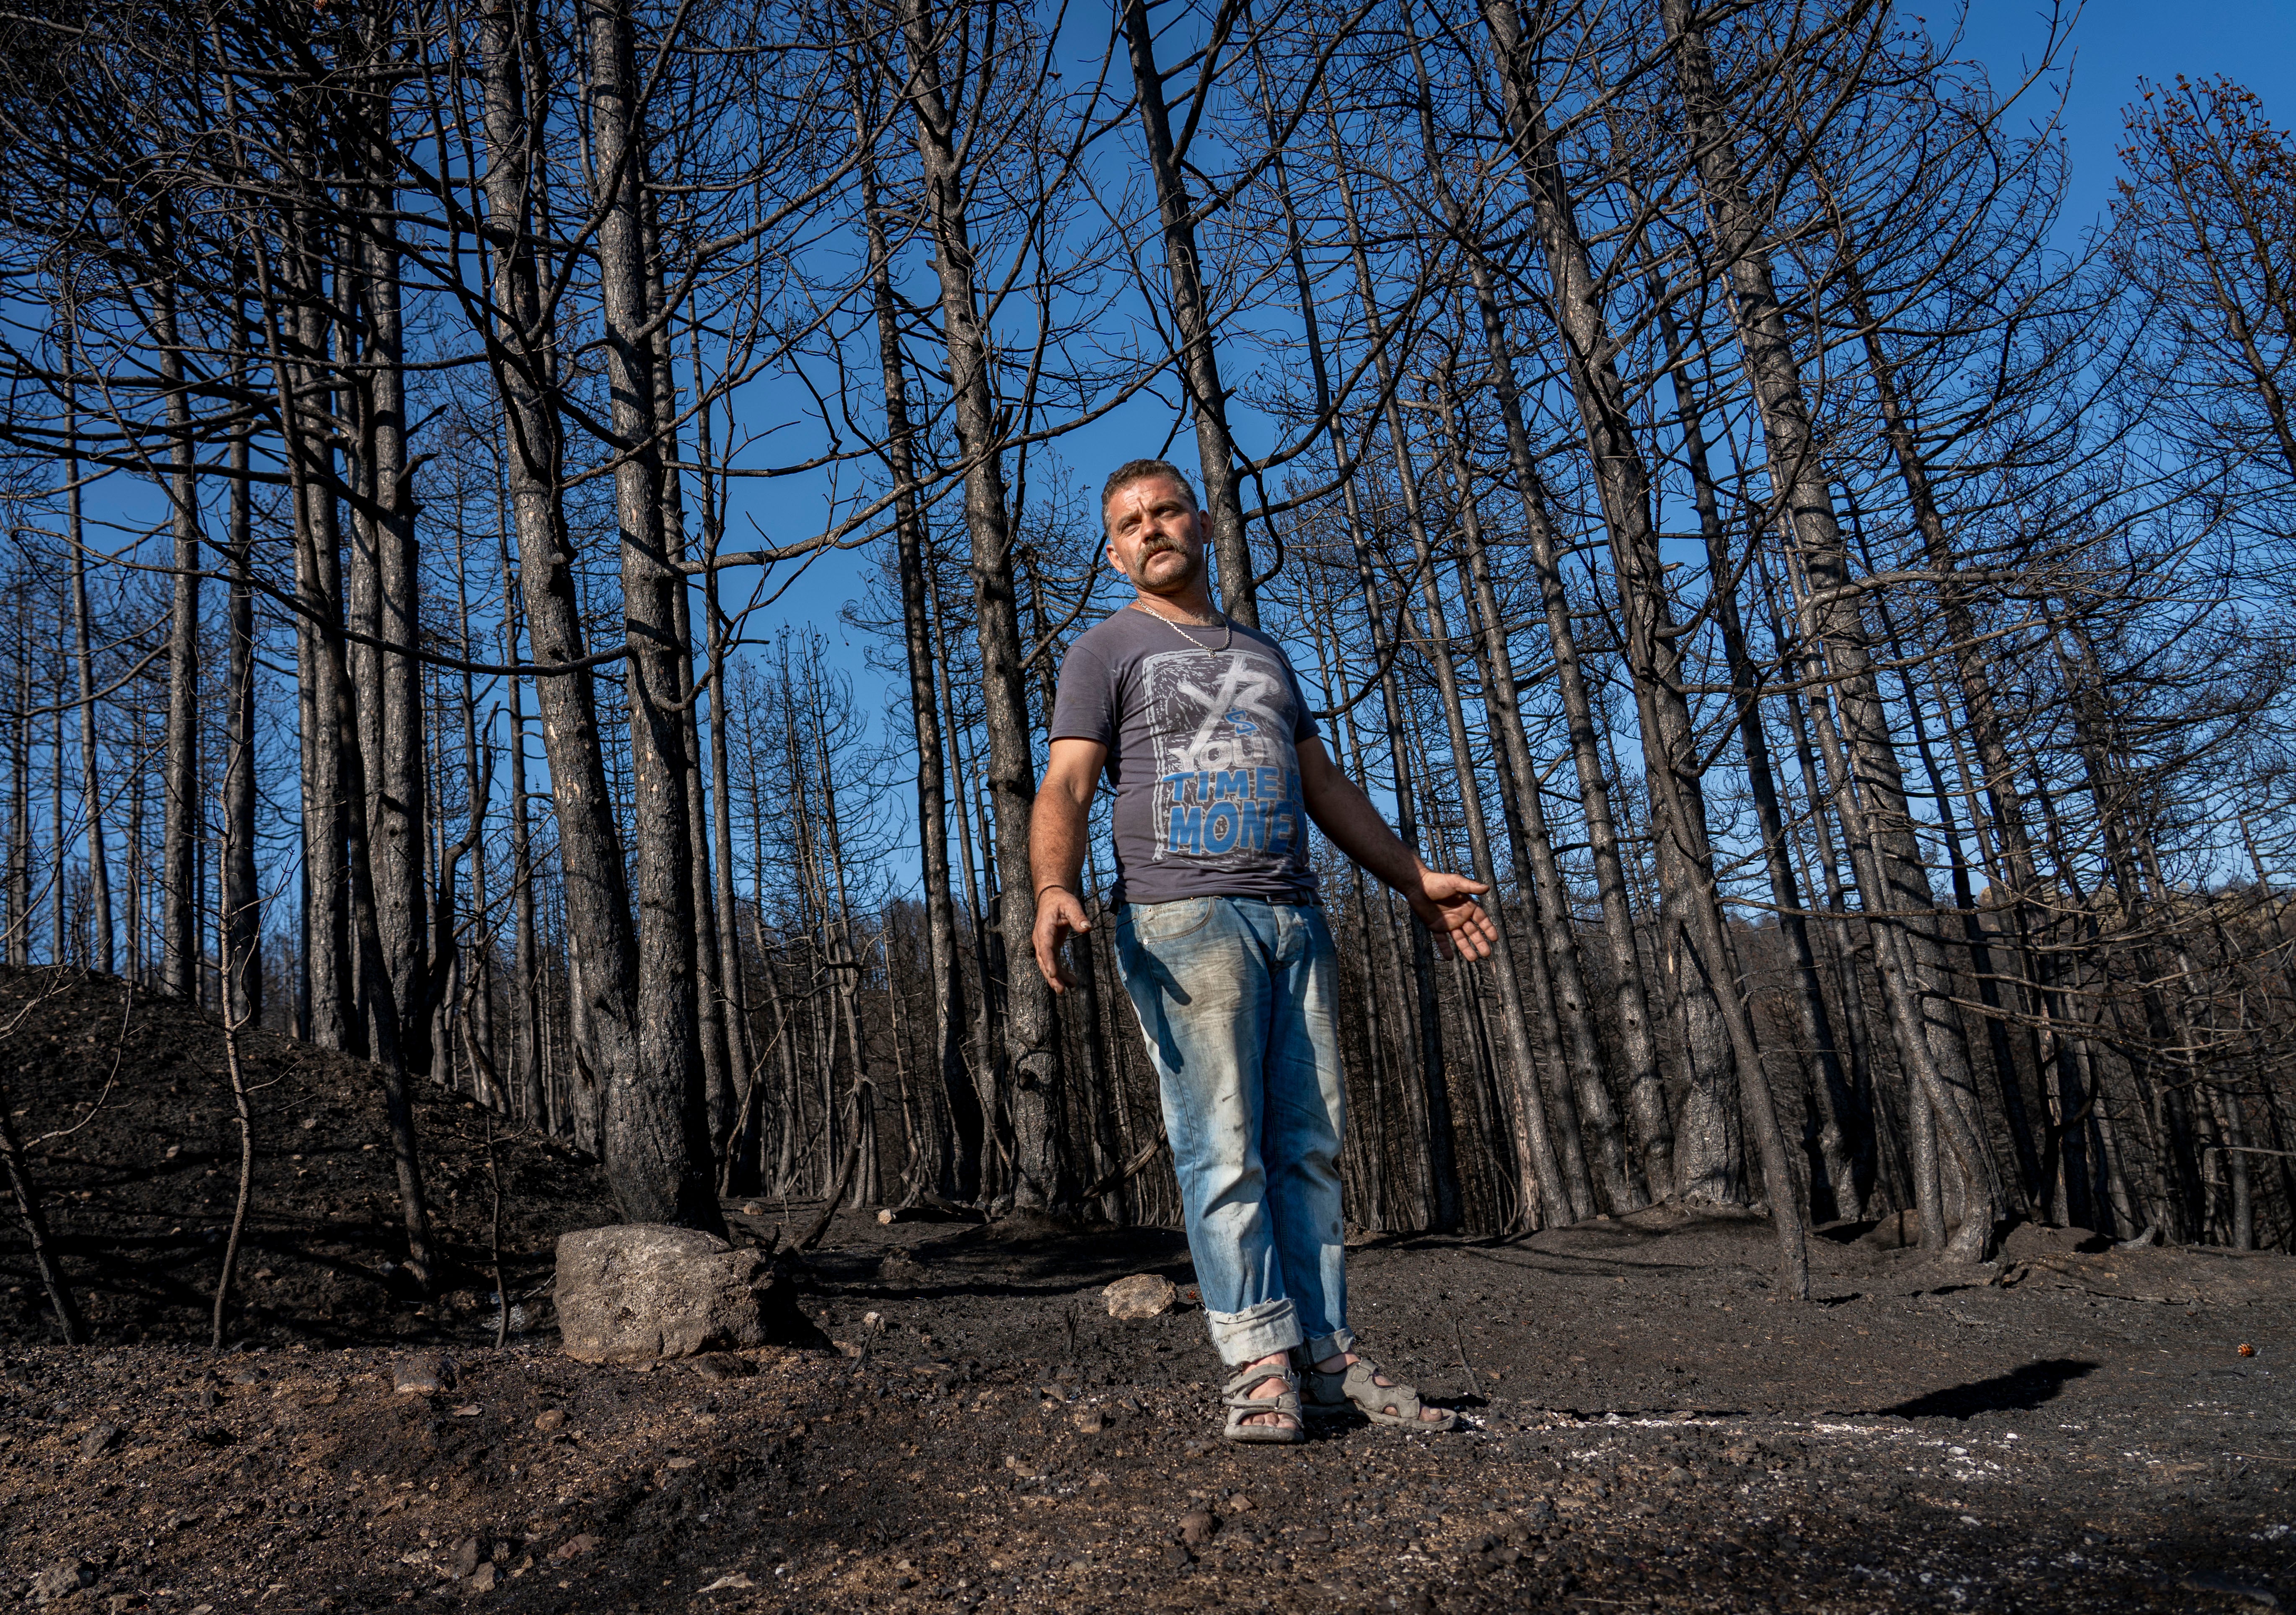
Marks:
<point>539,540</point>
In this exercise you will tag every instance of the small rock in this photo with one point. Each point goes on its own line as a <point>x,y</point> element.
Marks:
<point>483,1578</point>
<point>468,1410</point>
<point>182,1522</point>
<point>421,1376</point>
<point>874,1322</point>
<point>62,1580</point>
<point>1541,1512</point>
<point>1197,1526</point>
<point>732,1581</point>
<point>99,1440</point>
<point>752,1209</point>
<point>1090,1421</point>
<point>1175,1556</point>
<point>1143,1295</point>
<point>886,1215</point>
<point>120,1603</point>
<point>683,1462</point>
<point>721,1365</point>
<point>574,1547</point>
<point>1097,1481</point>
<point>466,1559</point>
<point>550,1418</point>
<point>1678,1476</point>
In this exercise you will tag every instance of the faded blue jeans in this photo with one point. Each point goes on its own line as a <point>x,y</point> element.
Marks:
<point>1238,1000</point>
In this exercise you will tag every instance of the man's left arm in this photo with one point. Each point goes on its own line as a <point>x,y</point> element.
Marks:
<point>1445,903</point>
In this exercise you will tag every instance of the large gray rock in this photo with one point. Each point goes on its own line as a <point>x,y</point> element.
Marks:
<point>638,1291</point>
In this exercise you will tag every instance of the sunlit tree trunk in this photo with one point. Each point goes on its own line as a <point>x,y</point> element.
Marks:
<point>1030,1056</point>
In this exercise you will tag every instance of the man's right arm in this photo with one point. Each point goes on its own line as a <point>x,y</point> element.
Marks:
<point>1057,826</point>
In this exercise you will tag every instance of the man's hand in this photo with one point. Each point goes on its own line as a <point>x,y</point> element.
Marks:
<point>1059,912</point>
<point>1056,832</point>
<point>1446,906</point>
<point>1445,903</point>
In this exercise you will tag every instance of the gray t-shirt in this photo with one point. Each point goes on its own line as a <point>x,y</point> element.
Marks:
<point>1203,755</point>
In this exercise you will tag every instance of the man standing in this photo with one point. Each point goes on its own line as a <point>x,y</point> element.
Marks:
<point>1203,731</point>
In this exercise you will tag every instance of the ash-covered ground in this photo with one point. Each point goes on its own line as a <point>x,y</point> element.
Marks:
<point>1651,1428</point>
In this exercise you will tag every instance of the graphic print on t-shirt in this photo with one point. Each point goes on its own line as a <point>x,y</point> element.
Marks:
<point>1227,776</point>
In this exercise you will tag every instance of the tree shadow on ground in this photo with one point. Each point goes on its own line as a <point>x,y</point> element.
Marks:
<point>2022,1388</point>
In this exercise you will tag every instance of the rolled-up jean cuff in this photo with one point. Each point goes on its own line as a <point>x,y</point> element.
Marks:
<point>1256,1331</point>
<point>1326,1346</point>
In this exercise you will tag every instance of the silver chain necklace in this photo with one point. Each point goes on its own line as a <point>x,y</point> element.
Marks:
<point>1226,624</point>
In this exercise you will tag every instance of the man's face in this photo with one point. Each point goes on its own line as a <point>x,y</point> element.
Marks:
<point>1154,536</point>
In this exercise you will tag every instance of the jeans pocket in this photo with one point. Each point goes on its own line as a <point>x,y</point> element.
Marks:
<point>1153,924</point>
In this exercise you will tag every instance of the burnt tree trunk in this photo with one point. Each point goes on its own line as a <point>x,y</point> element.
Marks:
<point>656,1122</point>
<point>1031,1056</point>
<point>1199,356</point>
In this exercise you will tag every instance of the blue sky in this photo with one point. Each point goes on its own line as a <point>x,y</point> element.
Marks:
<point>2113,43</point>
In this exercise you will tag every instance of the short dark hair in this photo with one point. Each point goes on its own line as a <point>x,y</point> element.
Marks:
<point>1140,471</point>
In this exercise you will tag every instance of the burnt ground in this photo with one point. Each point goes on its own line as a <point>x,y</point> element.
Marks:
<point>1651,1428</point>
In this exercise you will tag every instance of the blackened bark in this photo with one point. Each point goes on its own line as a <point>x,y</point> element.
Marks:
<point>242,999</point>
<point>737,1155</point>
<point>1839,1114</point>
<point>333,989</point>
<point>179,940</point>
<point>1720,1030</point>
<point>949,1110</point>
<point>717,1097</point>
<point>91,766</point>
<point>1198,357</point>
<point>656,1124</point>
<point>1443,1209</point>
<point>1383,966</point>
<point>528,1077</point>
<point>1900,885</point>
<point>1551,1160</point>
<point>1577,1045</point>
<point>601,956</point>
<point>400,797</point>
<point>1031,1056</point>
<point>1645,1095</point>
